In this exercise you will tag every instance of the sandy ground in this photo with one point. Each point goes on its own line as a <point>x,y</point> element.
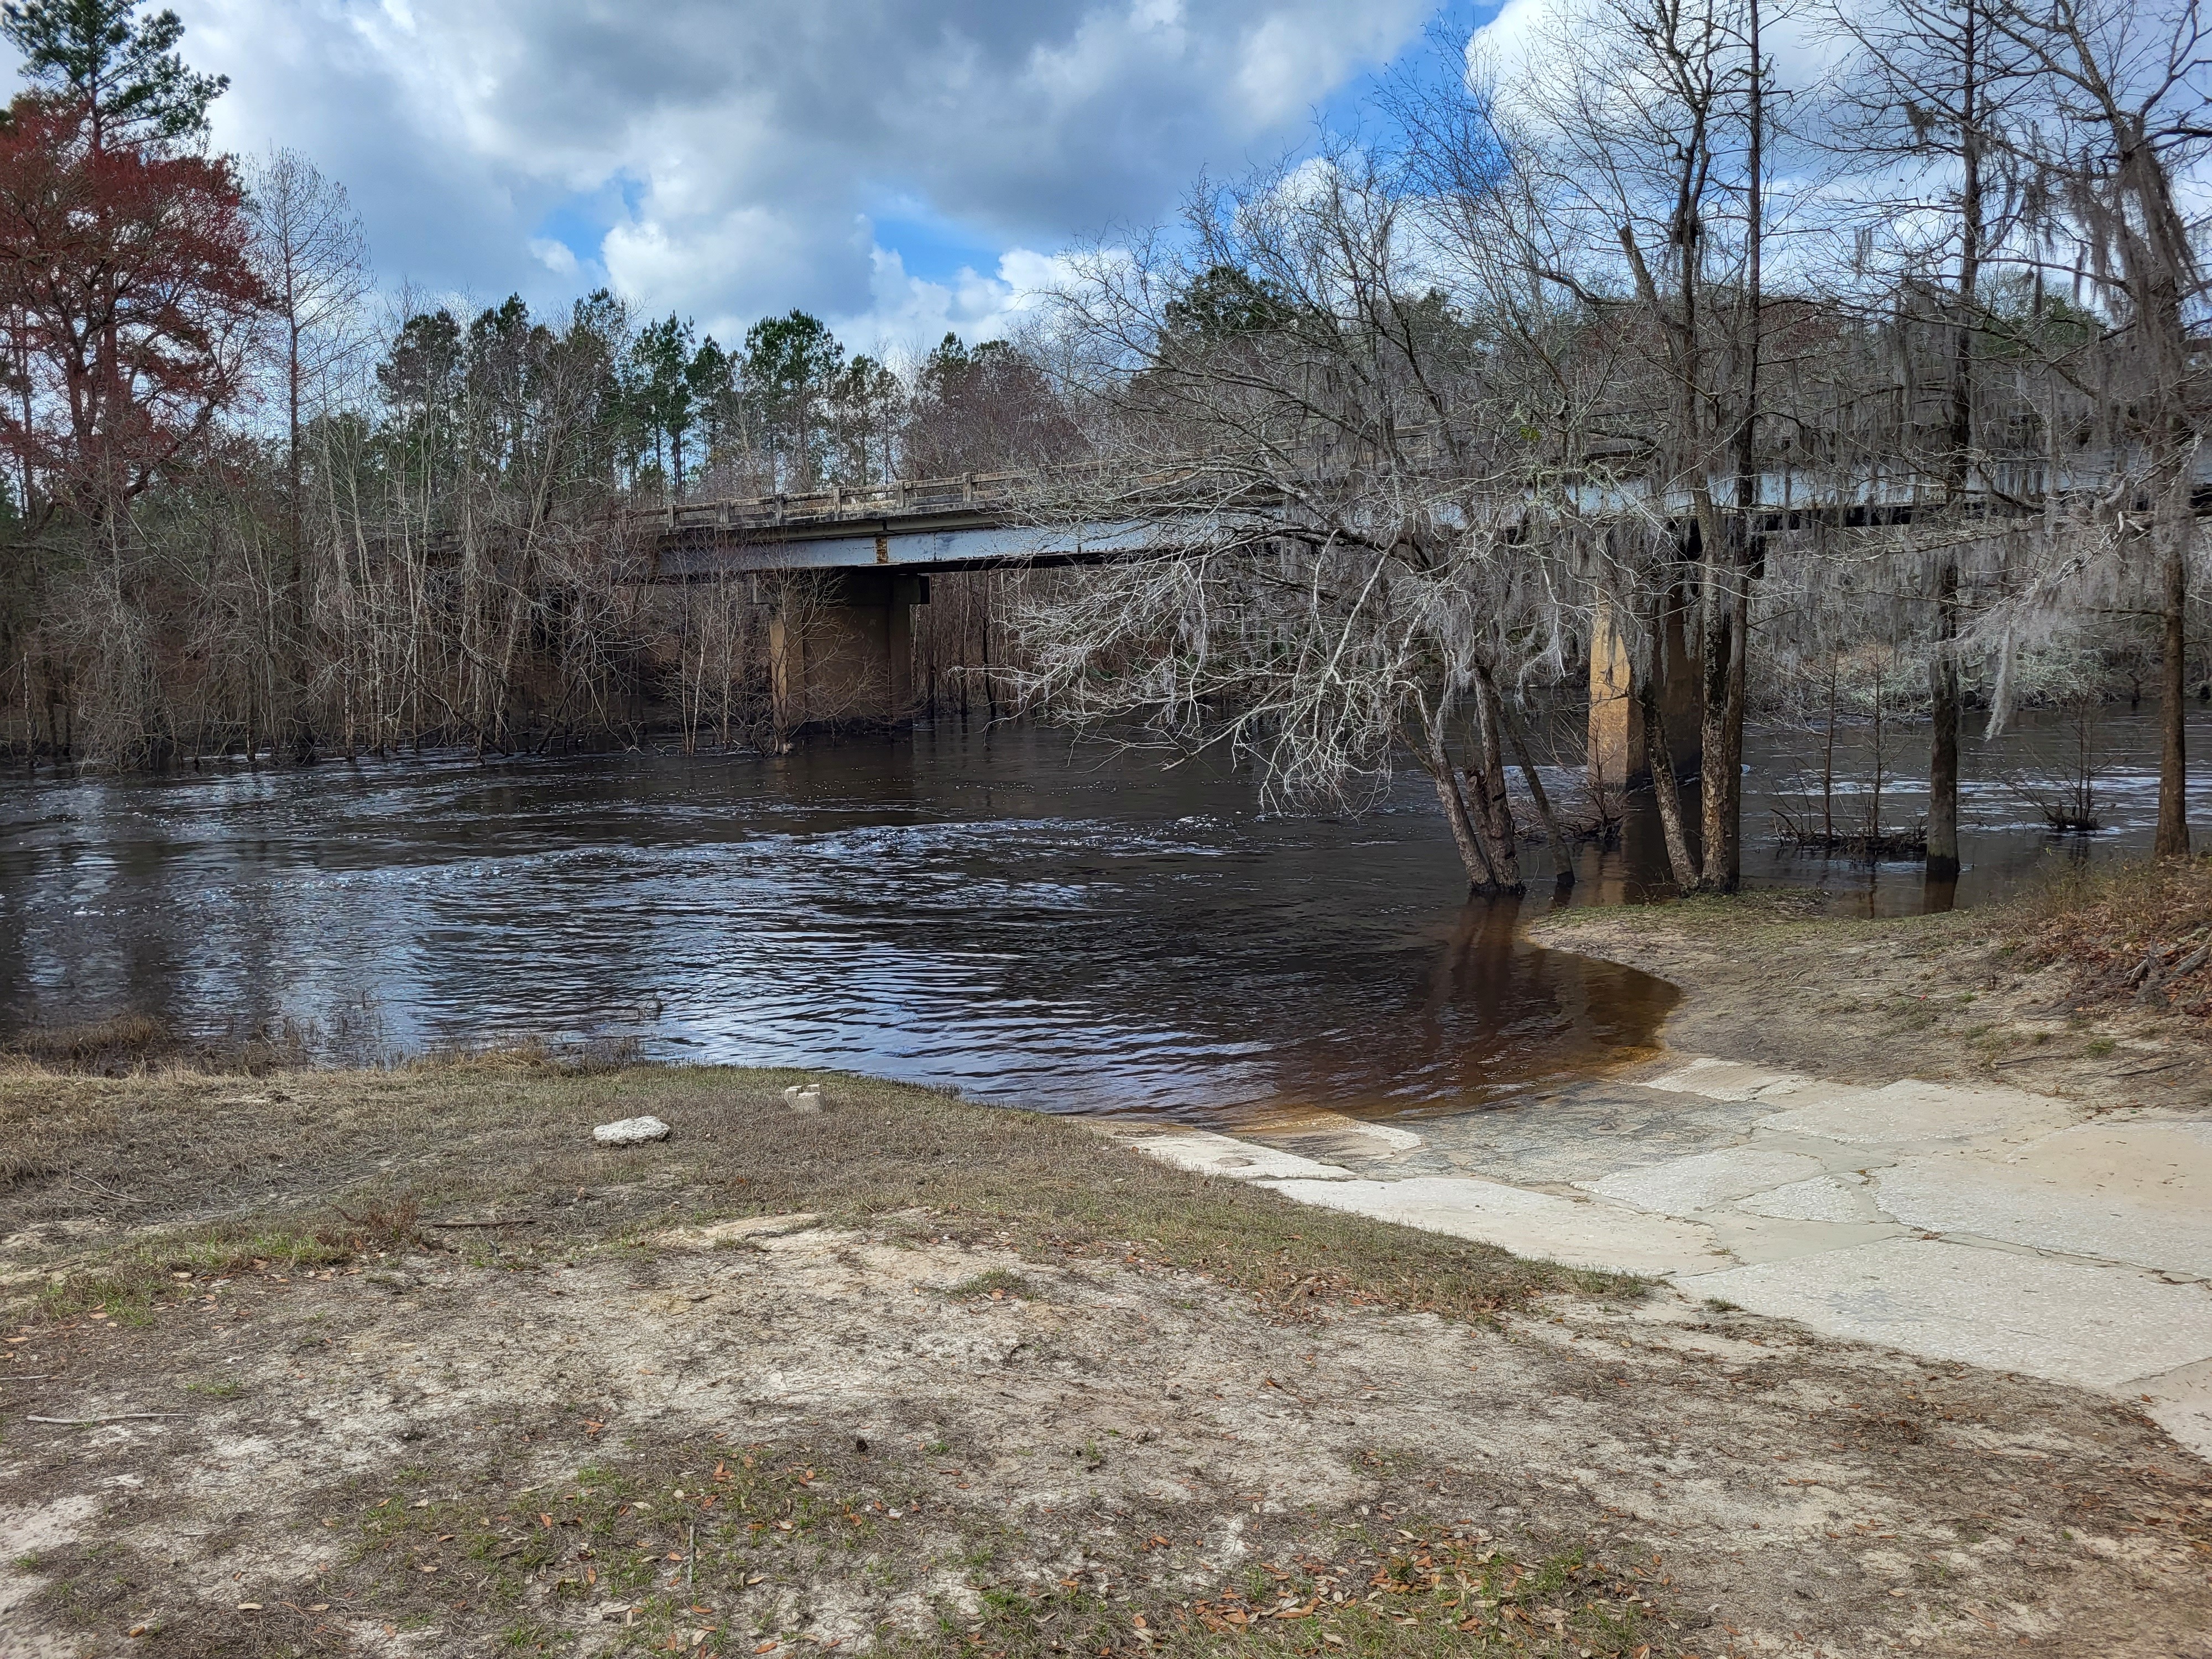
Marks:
<point>392,1461</point>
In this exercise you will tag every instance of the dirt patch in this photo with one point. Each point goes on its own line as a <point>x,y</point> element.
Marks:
<point>970,1420</point>
<point>1776,979</point>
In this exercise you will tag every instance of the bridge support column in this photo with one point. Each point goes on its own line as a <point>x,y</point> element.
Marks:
<point>840,651</point>
<point>1617,757</point>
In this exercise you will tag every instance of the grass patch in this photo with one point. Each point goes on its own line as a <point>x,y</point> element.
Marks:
<point>701,1545</point>
<point>219,1176</point>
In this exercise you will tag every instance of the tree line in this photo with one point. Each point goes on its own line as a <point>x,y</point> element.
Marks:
<point>249,510</point>
<point>1858,348</point>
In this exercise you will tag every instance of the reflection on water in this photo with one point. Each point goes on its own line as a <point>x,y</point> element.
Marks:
<point>2003,839</point>
<point>1028,920</point>
<point>1031,922</point>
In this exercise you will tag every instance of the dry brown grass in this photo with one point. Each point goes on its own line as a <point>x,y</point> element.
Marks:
<point>132,1044</point>
<point>205,1174</point>
<point>2139,932</point>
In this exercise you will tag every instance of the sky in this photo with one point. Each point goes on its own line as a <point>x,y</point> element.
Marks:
<point>900,169</point>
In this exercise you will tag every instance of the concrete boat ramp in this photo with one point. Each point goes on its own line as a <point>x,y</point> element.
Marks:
<point>1988,1225</point>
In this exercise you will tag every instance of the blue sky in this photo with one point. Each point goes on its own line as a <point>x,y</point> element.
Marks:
<point>898,168</point>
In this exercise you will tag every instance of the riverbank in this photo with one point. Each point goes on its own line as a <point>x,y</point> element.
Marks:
<point>2046,994</point>
<point>1981,1138</point>
<point>404,1363</point>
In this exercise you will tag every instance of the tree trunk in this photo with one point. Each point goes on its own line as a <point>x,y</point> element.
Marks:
<point>1943,745</point>
<point>1496,812</point>
<point>1435,760</point>
<point>1563,865</point>
<point>1728,606</point>
<point>1722,798</point>
<point>1666,789</point>
<point>1943,750</point>
<point>2172,839</point>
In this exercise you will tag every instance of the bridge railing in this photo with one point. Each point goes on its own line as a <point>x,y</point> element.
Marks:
<point>908,497</point>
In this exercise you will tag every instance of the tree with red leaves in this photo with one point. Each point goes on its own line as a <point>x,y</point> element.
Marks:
<point>125,273</point>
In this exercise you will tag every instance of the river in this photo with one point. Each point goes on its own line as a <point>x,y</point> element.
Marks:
<point>1009,912</point>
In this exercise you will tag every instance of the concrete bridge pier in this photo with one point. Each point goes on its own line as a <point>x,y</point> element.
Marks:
<point>840,649</point>
<point>1618,762</point>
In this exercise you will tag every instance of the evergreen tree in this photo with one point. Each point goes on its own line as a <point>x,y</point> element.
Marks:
<point>124,70</point>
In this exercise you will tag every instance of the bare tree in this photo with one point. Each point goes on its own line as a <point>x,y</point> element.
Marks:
<point>313,259</point>
<point>1342,542</point>
<point>1640,132</point>
<point>2123,93</point>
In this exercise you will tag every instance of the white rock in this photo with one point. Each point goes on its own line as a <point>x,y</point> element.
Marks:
<point>630,1132</point>
<point>803,1097</point>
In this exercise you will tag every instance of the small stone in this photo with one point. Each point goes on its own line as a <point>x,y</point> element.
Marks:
<point>630,1132</point>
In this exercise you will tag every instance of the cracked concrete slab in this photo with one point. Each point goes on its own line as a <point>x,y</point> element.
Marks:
<point>2067,1321</point>
<point>2139,1192</point>
<point>1582,1234</point>
<point>1792,1196</point>
<point>1724,1079</point>
<point>1840,1199</point>
<point>2180,1402</point>
<point>1752,1238</point>
<point>1913,1111</point>
<point>1705,1181</point>
<point>1203,1152</point>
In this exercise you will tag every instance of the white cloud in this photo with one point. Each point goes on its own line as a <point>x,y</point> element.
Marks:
<point>908,314</point>
<point>725,155</point>
<point>557,257</point>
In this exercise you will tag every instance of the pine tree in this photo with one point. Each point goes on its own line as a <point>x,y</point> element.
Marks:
<point>126,71</point>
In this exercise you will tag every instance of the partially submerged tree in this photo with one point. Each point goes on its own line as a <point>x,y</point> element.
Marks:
<point>1341,543</point>
<point>2121,118</point>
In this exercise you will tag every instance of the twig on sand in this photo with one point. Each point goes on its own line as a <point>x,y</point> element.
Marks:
<point>123,1197</point>
<point>112,1416</point>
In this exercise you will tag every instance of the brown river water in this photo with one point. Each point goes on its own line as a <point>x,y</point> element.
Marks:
<point>1028,919</point>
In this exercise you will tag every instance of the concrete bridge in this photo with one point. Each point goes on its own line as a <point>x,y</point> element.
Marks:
<point>873,549</point>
